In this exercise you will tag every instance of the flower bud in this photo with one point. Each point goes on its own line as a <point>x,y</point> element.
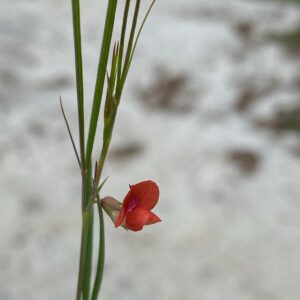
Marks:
<point>112,207</point>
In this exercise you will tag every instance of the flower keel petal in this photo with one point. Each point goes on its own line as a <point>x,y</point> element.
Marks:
<point>136,219</point>
<point>153,218</point>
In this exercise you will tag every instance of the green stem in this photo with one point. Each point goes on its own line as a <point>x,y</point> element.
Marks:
<point>86,285</point>
<point>139,33</point>
<point>81,264</point>
<point>101,253</point>
<point>130,42</point>
<point>122,40</point>
<point>106,42</point>
<point>89,225</point>
<point>86,224</point>
<point>79,76</point>
<point>84,274</point>
<point>80,106</point>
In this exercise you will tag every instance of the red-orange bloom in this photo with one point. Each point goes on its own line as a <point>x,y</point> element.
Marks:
<point>137,205</point>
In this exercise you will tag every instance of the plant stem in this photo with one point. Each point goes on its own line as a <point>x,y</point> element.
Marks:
<point>101,252</point>
<point>79,76</point>
<point>81,265</point>
<point>80,107</point>
<point>90,189</point>
<point>122,40</point>
<point>139,32</point>
<point>106,42</point>
<point>130,43</point>
<point>88,218</point>
<point>86,284</point>
<point>86,238</point>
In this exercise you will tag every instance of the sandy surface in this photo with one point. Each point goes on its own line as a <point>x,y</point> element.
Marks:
<point>210,113</point>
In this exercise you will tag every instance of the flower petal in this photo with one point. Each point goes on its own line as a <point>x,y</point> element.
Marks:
<point>153,218</point>
<point>127,200</point>
<point>136,219</point>
<point>146,193</point>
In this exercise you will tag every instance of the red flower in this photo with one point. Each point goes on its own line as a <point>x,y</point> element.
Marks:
<point>135,212</point>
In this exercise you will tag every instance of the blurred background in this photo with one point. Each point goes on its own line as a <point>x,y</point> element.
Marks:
<point>211,113</point>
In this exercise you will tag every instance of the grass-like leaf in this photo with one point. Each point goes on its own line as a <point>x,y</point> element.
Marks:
<point>106,43</point>
<point>101,251</point>
<point>139,33</point>
<point>79,76</point>
<point>69,131</point>
<point>88,260</point>
<point>122,40</point>
<point>130,42</point>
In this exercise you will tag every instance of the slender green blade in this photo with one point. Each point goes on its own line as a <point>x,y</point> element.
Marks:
<point>122,40</point>
<point>102,184</point>
<point>101,253</point>
<point>81,263</point>
<point>79,76</point>
<point>86,284</point>
<point>137,39</point>
<point>140,29</point>
<point>106,43</point>
<point>130,42</point>
<point>70,132</point>
<point>89,229</point>
<point>86,221</point>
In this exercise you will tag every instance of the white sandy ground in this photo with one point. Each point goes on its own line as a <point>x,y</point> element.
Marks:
<point>226,234</point>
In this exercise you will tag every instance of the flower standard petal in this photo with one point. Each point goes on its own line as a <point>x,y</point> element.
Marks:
<point>146,194</point>
<point>127,199</point>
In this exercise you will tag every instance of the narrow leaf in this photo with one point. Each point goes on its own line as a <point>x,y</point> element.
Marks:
<point>138,36</point>
<point>101,252</point>
<point>122,40</point>
<point>79,76</point>
<point>69,131</point>
<point>106,42</point>
<point>130,42</point>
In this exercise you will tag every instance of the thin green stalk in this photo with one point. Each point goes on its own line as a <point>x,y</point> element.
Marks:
<point>101,252</point>
<point>126,67</point>
<point>88,254</point>
<point>139,33</point>
<point>80,107</point>
<point>79,76</point>
<point>109,113</point>
<point>70,133</point>
<point>83,253</point>
<point>81,263</point>
<point>130,41</point>
<point>102,184</point>
<point>106,42</point>
<point>86,237</point>
<point>86,284</point>
<point>122,40</point>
